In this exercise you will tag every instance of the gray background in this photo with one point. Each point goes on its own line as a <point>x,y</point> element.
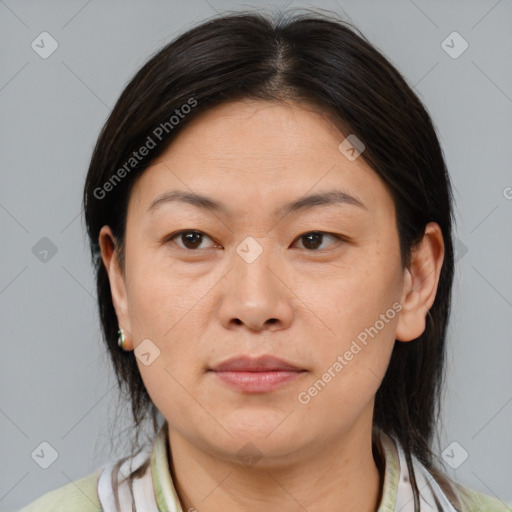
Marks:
<point>56,384</point>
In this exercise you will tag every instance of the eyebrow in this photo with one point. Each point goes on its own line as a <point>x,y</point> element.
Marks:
<point>331,197</point>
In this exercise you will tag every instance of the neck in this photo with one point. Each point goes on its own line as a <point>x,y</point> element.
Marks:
<point>342,476</point>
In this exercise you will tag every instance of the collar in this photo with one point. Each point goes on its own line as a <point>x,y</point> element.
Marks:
<point>166,496</point>
<point>155,491</point>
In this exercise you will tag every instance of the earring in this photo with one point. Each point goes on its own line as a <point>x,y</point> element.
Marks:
<point>121,338</point>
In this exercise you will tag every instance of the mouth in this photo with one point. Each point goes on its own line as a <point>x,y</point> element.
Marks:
<point>256,375</point>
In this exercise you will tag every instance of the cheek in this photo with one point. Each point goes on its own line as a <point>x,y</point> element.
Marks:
<point>352,298</point>
<point>172,312</point>
<point>352,360</point>
<point>159,298</point>
<point>359,312</point>
<point>147,303</point>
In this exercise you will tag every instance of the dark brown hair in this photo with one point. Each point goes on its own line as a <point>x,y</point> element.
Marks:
<point>317,60</point>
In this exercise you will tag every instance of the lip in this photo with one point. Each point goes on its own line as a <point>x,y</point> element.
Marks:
<point>263,363</point>
<point>256,375</point>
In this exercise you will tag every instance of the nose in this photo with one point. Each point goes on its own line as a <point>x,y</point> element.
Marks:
<point>255,294</point>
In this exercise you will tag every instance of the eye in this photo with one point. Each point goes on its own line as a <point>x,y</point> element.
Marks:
<point>191,239</point>
<point>314,239</point>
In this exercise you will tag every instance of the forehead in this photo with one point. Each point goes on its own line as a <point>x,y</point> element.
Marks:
<point>259,152</point>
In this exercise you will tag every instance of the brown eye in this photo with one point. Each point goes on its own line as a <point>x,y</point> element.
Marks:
<point>190,239</point>
<point>314,239</point>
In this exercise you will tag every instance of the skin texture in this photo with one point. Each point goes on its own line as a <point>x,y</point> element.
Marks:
<point>301,299</point>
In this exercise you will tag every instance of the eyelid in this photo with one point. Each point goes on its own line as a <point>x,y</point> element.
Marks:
<point>337,237</point>
<point>172,236</point>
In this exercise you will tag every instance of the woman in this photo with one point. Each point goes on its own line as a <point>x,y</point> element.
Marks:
<point>270,217</point>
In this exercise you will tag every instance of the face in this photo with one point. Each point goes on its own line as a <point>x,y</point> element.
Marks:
<point>318,284</point>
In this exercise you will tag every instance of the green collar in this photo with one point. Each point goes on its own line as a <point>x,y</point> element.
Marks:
<point>168,501</point>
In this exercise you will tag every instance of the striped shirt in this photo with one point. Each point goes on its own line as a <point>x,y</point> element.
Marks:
<point>156,492</point>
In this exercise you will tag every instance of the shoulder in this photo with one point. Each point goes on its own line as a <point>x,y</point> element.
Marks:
<point>80,495</point>
<point>475,501</point>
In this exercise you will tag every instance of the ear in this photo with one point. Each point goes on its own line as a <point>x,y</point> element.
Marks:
<point>109,255</point>
<point>420,284</point>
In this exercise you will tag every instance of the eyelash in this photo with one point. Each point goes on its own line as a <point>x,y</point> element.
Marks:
<point>171,238</point>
